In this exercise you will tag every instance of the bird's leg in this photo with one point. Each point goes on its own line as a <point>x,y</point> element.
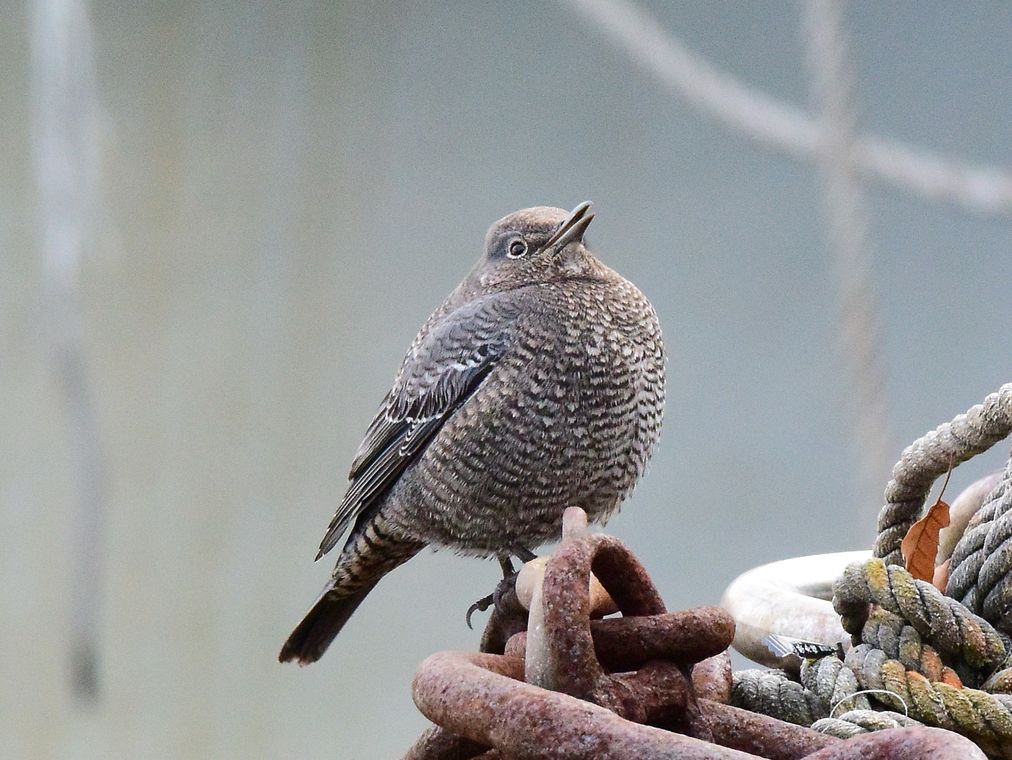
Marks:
<point>509,579</point>
<point>525,555</point>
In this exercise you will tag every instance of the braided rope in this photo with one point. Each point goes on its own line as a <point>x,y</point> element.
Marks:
<point>985,718</point>
<point>833,682</point>
<point>857,722</point>
<point>942,621</point>
<point>914,647</point>
<point>980,571</point>
<point>931,456</point>
<point>1000,682</point>
<point>893,654</point>
<point>867,662</point>
<point>772,692</point>
<point>900,641</point>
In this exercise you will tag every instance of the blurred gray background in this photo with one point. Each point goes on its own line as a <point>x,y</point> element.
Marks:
<point>268,201</point>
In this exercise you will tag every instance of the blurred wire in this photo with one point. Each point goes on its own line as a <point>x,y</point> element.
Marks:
<point>781,126</point>
<point>65,161</point>
<point>857,322</point>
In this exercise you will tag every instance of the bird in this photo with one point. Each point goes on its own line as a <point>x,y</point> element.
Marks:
<point>538,384</point>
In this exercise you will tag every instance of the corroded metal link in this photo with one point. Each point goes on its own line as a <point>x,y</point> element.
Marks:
<point>711,678</point>
<point>761,735</point>
<point>625,644</point>
<point>567,662</point>
<point>480,697</point>
<point>564,655</point>
<point>687,636</point>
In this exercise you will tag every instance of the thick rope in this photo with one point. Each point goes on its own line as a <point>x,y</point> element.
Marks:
<point>914,699</point>
<point>833,683</point>
<point>943,622</point>
<point>892,654</point>
<point>985,718</point>
<point>980,571</point>
<point>858,722</point>
<point>1000,682</point>
<point>931,456</point>
<point>772,692</point>
<point>901,641</point>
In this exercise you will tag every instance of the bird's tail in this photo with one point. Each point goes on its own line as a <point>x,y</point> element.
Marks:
<point>366,558</point>
<point>320,626</point>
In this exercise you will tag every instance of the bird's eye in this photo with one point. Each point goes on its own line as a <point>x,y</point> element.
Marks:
<point>517,248</point>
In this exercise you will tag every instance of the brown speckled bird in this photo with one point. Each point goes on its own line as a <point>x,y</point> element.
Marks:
<point>538,384</point>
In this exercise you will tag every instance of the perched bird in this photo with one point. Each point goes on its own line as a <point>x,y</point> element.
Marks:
<point>538,384</point>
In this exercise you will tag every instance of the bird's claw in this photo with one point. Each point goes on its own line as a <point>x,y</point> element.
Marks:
<point>480,606</point>
<point>494,599</point>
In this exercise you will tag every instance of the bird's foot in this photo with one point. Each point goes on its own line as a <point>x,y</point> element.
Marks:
<point>505,586</point>
<point>480,606</point>
<point>495,599</point>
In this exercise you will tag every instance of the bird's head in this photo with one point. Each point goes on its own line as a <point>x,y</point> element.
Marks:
<point>535,245</point>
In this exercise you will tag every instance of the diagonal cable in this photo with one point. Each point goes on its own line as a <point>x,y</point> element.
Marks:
<point>784,127</point>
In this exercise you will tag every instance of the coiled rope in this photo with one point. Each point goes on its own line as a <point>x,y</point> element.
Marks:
<point>942,660</point>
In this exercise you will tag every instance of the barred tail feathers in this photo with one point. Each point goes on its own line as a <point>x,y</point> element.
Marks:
<point>367,556</point>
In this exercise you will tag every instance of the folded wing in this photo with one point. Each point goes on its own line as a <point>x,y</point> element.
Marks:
<point>444,367</point>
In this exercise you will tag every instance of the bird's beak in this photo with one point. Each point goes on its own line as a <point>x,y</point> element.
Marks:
<point>573,228</point>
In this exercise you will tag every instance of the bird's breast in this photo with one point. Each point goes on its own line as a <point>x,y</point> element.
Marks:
<point>569,415</point>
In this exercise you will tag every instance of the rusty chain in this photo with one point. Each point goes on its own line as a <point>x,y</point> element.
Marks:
<point>561,683</point>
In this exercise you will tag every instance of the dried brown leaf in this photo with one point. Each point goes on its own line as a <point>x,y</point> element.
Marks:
<point>920,546</point>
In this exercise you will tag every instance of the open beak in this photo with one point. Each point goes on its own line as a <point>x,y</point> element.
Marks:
<point>573,228</point>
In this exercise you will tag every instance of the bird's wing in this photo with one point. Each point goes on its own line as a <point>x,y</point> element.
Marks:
<point>444,366</point>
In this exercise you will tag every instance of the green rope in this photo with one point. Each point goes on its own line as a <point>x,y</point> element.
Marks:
<point>900,641</point>
<point>941,621</point>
